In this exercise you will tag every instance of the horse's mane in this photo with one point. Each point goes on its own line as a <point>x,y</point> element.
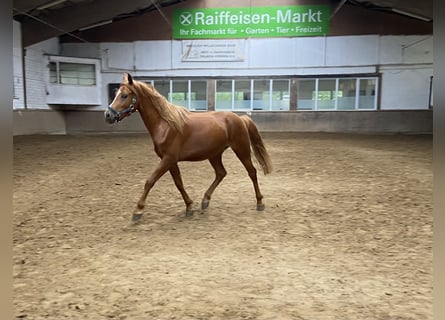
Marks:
<point>173,114</point>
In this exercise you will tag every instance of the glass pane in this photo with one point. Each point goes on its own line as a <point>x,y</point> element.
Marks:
<point>280,95</point>
<point>87,82</point>
<point>179,93</point>
<point>53,72</point>
<point>242,95</point>
<point>326,94</point>
<point>223,96</point>
<point>346,94</point>
<point>198,95</point>
<point>306,95</point>
<point>163,87</point>
<point>261,94</point>
<point>86,74</point>
<point>77,73</point>
<point>367,94</point>
<point>67,73</point>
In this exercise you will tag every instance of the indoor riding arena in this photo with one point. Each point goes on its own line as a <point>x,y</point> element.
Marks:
<point>341,95</point>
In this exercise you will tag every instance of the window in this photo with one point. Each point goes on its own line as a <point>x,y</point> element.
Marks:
<point>242,95</point>
<point>179,93</point>
<point>252,94</point>
<point>346,94</point>
<point>266,94</point>
<point>72,81</point>
<point>163,87</point>
<point>280,95</point>
<point>306,95</point>
<point>224,95</point>
<point>261,94</point>
<point>326,94</point>
<point>198,95</point>
<point>53,71</point>
<point>191,94</point>
<point>337,94</point>
<point>72,73</point>
<point>367,97</point>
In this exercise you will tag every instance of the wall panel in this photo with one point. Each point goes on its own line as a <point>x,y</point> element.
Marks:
<point>153,55</point>
<point>352,50</point>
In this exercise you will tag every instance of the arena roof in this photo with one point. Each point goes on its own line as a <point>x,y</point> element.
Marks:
<point>45,19</point>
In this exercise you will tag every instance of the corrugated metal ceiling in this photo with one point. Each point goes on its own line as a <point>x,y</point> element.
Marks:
<point>44,19</point>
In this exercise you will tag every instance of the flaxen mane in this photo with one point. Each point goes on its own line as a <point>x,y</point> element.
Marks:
<point>174,115</point>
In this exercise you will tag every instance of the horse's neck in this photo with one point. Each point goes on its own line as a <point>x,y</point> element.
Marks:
<point>150,116</point>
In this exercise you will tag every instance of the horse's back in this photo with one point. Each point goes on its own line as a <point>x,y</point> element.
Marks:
<point>210,133</point>
<point>214,120</point>
<point>233,125</point>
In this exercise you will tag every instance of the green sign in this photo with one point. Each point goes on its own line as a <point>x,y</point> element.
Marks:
<point>251,22</point>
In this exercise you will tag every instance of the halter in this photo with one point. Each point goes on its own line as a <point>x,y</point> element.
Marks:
<point>122,114</point>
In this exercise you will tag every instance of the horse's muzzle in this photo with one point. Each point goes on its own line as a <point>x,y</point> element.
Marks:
<point>110,117</point>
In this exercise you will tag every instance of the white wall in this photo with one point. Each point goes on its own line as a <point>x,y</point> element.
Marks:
<point>17,52</point>
<point>294,54</point>
<point>405,63</point>
<point>35,71</point>
<point>405,87</point>
<point>73,94</point>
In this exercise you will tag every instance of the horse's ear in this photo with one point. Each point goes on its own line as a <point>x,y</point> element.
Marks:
<point>129,78</point>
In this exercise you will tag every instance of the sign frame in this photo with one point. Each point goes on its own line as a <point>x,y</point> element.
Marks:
<point>251,22</point>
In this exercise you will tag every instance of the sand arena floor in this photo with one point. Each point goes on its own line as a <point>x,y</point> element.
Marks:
<point>346,234</point>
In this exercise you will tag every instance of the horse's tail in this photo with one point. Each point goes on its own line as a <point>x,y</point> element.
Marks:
<point>258,147</point>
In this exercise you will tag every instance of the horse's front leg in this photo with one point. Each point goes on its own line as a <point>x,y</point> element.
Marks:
<point>176,175</point>
<point>162,168</point>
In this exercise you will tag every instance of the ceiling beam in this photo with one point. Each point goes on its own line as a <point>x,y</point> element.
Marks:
<point>72,18</point>
<point>27,5</point>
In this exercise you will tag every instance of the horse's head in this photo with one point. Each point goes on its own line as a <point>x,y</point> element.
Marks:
<point>124,102</point>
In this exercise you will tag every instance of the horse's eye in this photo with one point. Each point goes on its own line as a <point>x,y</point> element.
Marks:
<point>124,96</point>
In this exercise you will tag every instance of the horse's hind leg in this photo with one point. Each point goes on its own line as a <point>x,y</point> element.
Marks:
<point>220,173</point>
<point>242,151</point>
<point>176,175</point>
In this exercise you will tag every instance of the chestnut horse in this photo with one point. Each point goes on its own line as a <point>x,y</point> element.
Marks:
<point>180,135</point>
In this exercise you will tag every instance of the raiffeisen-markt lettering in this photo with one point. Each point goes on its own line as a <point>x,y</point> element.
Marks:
<point>273,21</point>
<point>228,18</point>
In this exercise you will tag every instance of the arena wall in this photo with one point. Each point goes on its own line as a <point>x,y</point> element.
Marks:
<point>397,53</point>
<point>38,122</point>
<point>92,122</point>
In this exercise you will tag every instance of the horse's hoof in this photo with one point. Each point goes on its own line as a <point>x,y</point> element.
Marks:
<point>188,213</point>
<point>136,218</point>
<point>204,205</point>
<point>260,207</point>
<point>130,225</point>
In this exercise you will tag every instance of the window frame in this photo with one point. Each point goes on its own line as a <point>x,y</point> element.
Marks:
<point>70,94</point>
<point>57,60</point>
<point>188,93</point>
<point>315,93</point>
<point>252,105</point>
<point>293,92</point>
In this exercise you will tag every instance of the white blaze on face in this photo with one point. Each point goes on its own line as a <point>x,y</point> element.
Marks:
<point>115,97</point>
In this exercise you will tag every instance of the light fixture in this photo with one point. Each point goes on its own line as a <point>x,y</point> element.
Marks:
<point>409,14</point>
<point>96,25</point>
<point>50,4</point>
